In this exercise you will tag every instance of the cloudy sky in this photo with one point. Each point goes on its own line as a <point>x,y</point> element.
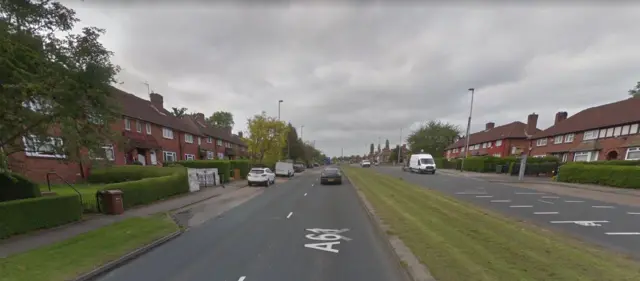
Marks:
<point>352,75</point>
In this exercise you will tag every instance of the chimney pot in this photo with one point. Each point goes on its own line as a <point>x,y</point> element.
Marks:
<point>560,116</point>
<point>532,124</point>
<point>200,117</point>
<point>157,100</point>
<point>490,126</point>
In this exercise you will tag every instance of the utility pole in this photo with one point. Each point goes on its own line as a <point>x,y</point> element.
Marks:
<point>400,146</point>
<point>301,133</point>
<point>466,148</point>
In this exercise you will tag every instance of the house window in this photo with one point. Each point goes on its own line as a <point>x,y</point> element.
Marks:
<point>558,139</point>
<point>127,124</point>
<point>617,131</point>
<point>625,129</point>
<point>590,135</point>
<point>169,156</point>
<point>587,156</point>
<point>189,157</point>
<point>209,139</point>
<point>569,138</point>
<point>219,142</point>
<point>603,133</point>
<point>148,128</point>
<point>167,133</point>
<point>633,153</point>
<point>107,152</point>
<point>633,129</point>
<point>539,156</point>
<point>477,146</point>
<point>541,142</point>
<point>33,146</point>
<point>484,145</point>
<point>199,141</point>
<point>499,143</point>
<point>210,155</point>
<point>138,126</point>
<point>489,144</point>
<point>564,157</point>
<point>497,155</point>
<point>609,132</point>
<point>188,138</point>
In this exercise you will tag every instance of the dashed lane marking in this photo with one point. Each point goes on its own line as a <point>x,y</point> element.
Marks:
<point>242,278</point>
<point>603,207</point>
<point>622,233</point>
<point>500,201</point>
<point>543,201</point>
<point>521,206</point>
<point>484,196</point>
<point>529,193</point>
<point>305,194</point>
<point>551,197</point>
<point>573,201</point>
<point>633,213</point>
<point>470,193</point>
<point>290,214</point>
<point>545,213</point>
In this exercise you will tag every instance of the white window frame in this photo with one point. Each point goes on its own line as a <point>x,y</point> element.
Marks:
<point>138,126</point>
<point>32,143</point>
<point>590,135</point>
<point>484,145</point>
<point>127,124</point>
<point>148,128</point>
<point>633,129</point>
<point>219,142</point>
<point>169,153</point>
<point>477,146</point>
<point>209,139</point>
<point>541,142</point>
<point>497,155</point>
<point>199,141</point>
<point>539,156</point>
<point>499,143</point>
<point>609,132</point>
<point>210,155</point>
<point>632,150</point>
<point>167,133</point>
<point>625,130</point>
<point>569,138</point>
<point>188,156</point>
<point>565,157</point>
<point>490,144</point>
<point>188,138</point>
<point>591,156</point>
<point>558,139</point>
<point>603,133</point>
<point>617,131</point>
<point>105,152</point>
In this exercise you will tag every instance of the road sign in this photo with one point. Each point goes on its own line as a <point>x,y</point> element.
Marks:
<point>332,235</point>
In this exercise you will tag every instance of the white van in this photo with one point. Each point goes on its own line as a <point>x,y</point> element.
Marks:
<point>422,163</point>
<point>284,169</point>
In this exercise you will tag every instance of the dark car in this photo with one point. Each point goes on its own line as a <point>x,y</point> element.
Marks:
<point>331,175</point>
<point>298,168</point>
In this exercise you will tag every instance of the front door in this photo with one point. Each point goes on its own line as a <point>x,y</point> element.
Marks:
<point>142,159</point>
<point>152,155</point>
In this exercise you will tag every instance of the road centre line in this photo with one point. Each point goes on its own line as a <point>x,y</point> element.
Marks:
<point>290,214</point>
<point>543,201</point>
<point>633,213</point>
<point>529,193</point>
<point>603,207</point>
<point>470,193</point>
<point>622,233</point>
<point>500,201</point>
<point>484,196</point>
<point>545,213</point>
<point>305,194</point>
<point>551,197</point>
<point>242,278</point>
<point>573,201</point>
<point>521,206</point>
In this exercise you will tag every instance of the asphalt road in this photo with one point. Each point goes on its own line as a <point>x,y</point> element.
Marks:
<point>268,239</point>
<point>616,227</point>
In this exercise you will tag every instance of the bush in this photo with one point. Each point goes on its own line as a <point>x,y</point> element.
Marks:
<point>609,175</point>
<point>243,165</point>
<point>118,174</point>
<point>149,190</point>
<point>611,163</point>
<point>223,166</point>
<point>15,187</point>
<point>20,216</point>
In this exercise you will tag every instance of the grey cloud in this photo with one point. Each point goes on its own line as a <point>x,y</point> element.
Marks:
<point>352,75</point>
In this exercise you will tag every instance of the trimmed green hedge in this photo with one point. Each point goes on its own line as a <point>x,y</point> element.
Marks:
<point>223,166</point>
<point>487,164</point>
<point>20,216</point>
<point>609,175</point>
<point>118,174</point>
<point>15,187</point>
<point>149,190</point>
<point>243,165</point>
<point>611,163</point>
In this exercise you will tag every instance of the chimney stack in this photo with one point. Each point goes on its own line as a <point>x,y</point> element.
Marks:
<point>560,116</point>
<point>157,100</point>
<point>228,130</point>
<point>489,126</point>
<point>532,124</point>
<point>240,134</point>
<point>200,118</point>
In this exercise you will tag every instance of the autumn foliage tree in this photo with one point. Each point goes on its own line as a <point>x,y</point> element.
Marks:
<point>267,138</point>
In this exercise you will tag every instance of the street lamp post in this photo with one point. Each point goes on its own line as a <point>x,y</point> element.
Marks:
<point>400,146</point>
<point>279,102</point>
<point>301,133</point>
<point>466,147</point>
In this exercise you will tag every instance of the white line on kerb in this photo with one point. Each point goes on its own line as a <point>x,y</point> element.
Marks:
<point>521,206</point>
<point>545,213</point>
<point>500,201</point>
<point>242,278</point>
<point>484,196</point>
<point>543,201</point>
<point>622,233</point>
<point>290,214</point>
<point>603,207</point>
<point>551,197</point>
<point>305,194</point>
<point>633,213</point>
<point>573,201</point>
<point>529,193</point>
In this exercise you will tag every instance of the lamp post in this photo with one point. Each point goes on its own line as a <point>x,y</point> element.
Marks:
<point>279,102</point>
<point>399,146</point>
<point>466,147</point>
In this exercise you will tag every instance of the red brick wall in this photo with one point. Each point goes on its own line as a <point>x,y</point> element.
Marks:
<point>36,168</point>
<point>607,144</point>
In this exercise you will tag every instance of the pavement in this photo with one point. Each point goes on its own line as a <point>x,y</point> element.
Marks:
<point>293,230</point>
<point>23,243</point>
<point>609,225</point>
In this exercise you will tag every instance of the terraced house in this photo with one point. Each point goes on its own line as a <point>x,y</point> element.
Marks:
<point>506,140</point>
<point>151,136</point>
<point>606,132</point>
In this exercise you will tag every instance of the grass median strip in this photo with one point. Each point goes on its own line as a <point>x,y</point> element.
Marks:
<point>83,253</point>
<point>458,241</point>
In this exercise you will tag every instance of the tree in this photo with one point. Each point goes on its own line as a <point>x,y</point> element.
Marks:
<point>386,144</point>
<point>267,138</point>
<point>222,119</point>
<point>55,89</point>
<point>179,112</point>
<point>393,156</point>
<point>433,137</point>
<point>294,146</point>
<point>371,150</point>
<point>635,92</point>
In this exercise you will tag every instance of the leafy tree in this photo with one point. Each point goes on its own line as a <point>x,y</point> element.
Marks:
<point>433,137</point>
<point>371,149</point>
<point>178,112</point>
<point>267,138</point>
<point>54,83</point>
<point>222,119</point>
<point>635,92</point>
<point>393,156</point>
<point>294,146</point>
<point>386,144</point>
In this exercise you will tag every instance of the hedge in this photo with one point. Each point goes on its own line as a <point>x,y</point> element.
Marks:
<point>223,166</point>
<point>15,187</point>
<point>20,216</point>
<point>609,175</point>
<point>243,165</point>
<point>127,173</point>
<point>611,163</point>
<point>487,164</point>
<point>149,190</point>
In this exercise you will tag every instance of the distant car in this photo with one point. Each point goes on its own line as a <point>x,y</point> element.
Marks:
<point>331,175</point>
<point>316,165</point>
<point>261,176</point>
<point>298,168</point>
<point>365,164</point>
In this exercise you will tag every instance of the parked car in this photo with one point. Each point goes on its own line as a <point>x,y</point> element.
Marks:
<point>261,176</point>
<point>298,168</point>
<point>330,175</point>
<point>365,164</point>
<point>285,169</point>
<point>422,163</point>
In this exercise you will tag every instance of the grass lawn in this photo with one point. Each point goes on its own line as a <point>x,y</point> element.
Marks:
<point>458,241</point>
<point>70,258</point>
<point>88,194</point>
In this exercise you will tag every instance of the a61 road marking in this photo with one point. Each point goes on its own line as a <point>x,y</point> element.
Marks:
<point>320,234</point>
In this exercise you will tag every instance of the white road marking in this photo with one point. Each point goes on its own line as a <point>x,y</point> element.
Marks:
<point>471,192</point>
<point>583,223</point>
<point>529,193</point>
<point>603,207</point>
<point>545,213</point>
<point>484,196</point>
<point>290,214</point>
<point>543,201</point>
<point>633,213</point>
<point>622,233</point>
<point>521,206</point>
<point>500,201</point>
<point>312,185</point>
<point>573,201</point>
<point>242,278</point>
<point>551,197</point>
<point>305,194</point>
<point>326,235</point>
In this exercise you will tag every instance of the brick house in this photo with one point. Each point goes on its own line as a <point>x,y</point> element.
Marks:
<point>216,143</point>
<point>606,132</point>
<point>506,140</point>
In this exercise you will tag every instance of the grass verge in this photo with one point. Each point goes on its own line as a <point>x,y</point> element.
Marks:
<point>70,258</point>
<point>458,241</point>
